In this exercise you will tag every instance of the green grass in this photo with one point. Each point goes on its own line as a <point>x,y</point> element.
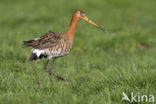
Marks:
<point>101,65</point>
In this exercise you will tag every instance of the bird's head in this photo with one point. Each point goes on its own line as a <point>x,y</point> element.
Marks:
<point>80,14</point>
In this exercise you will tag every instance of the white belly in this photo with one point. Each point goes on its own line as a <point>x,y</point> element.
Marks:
<point>50,53</point>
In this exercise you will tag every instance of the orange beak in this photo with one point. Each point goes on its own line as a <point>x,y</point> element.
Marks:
<point>91,22</point>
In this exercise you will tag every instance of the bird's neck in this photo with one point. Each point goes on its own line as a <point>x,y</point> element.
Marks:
<point>72,27</point>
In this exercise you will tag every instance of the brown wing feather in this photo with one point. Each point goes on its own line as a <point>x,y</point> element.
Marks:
<point>48,40</point>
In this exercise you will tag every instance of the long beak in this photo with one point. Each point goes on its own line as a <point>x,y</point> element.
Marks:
<point>91,22</point>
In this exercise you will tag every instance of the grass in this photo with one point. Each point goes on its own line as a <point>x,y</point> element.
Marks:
<point>101,65</point>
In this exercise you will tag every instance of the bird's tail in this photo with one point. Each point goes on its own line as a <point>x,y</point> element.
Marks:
<point>30,43</point>
<point>33,57</point>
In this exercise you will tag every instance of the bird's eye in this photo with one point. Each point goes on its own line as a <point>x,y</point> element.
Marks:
<point>81,13</point>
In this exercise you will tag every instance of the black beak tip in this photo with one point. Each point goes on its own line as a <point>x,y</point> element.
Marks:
<point>101,28</point>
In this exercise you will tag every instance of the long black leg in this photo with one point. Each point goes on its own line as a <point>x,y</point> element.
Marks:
<point>50,69</point>
<point>60,78</point>
<point>45,65</point>
<point>51,73</point>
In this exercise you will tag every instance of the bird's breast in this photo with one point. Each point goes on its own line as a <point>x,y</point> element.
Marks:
<point>60,49</point>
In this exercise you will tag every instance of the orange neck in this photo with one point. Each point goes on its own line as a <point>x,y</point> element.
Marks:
<point>72,27</point>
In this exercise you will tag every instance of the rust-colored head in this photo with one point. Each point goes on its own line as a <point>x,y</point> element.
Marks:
<point>79,14</point>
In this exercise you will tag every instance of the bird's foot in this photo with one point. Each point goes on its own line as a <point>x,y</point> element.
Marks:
<point>60,78</point>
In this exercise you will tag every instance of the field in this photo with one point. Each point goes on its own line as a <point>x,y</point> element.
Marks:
<point>101,65</point>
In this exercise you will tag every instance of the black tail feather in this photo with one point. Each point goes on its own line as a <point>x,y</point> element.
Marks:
<point>33,57</point>
<point>30,43</point>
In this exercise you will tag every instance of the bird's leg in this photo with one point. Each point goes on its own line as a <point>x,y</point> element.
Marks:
<point>50,70</point>
<point>45,65</point>
<point>58,77</point>
<point>51,73</point>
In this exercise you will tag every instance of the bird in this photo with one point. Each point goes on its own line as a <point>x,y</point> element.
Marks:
<point>53,45</point>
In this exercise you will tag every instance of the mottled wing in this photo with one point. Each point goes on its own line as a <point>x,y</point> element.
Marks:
<point>49,40</point>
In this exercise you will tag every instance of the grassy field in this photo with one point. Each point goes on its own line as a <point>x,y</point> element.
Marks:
<point>101,65</point>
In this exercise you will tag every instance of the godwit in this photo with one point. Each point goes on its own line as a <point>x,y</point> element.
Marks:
<point>54,45</point>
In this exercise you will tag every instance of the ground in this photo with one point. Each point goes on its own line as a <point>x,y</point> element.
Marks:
<point>101,65</point>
